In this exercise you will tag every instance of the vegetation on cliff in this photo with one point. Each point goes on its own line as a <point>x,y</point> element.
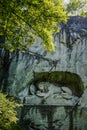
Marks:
<point>77,7</point>
<point>21,22</point>
<point>8,113</point>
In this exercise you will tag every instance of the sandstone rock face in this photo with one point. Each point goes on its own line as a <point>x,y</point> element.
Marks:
<point>64,83</point>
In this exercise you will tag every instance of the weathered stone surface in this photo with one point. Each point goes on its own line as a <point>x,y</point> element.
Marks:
<point>32,89</point>
<point>66,96</point>
<point>73,80</point>
<point>66,90</point>
<point>67,66</point>
<point>46,87</point>
<point>56,118</point>
<point>49,94</point>
<point>23,93</point>
<point>32,100</point>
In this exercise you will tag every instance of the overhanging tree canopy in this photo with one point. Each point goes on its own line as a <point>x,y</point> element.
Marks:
<point>22,21</point>
<point>77,7</point>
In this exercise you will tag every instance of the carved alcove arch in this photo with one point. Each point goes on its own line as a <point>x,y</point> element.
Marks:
<point>72,80</point>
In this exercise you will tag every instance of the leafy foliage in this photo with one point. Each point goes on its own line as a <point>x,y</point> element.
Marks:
<point>22,21</point>
<point>77,7</point>
<point>8,114</point>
